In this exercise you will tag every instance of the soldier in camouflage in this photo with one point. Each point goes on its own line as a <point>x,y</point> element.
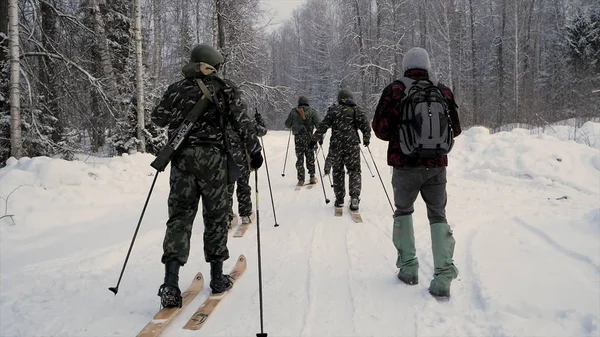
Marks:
<point>199,168</point>
<point>303,120</point>
<point>243,190</point>
<point>328,162</point>
<point>345,119</point>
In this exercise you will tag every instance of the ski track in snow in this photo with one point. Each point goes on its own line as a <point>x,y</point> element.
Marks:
<point>326,276</point>
<point>310,295</point>
<point>558,247</point>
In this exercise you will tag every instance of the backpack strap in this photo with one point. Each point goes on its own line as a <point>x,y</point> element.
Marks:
<point>407,81</point>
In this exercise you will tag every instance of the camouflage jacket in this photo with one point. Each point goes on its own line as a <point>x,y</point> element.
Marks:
<point>257,123</point>
<point>297,122</point>
<point>344,121</point>
<point>181,96</point>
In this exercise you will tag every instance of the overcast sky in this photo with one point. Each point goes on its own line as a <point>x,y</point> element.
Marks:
<point>283,8</point>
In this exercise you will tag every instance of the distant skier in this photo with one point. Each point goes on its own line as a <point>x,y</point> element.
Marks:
<point>303,120</point>
<point>199,169</point>
<point>424,172</point>
<point>241,155</point>
<point>345,119</point>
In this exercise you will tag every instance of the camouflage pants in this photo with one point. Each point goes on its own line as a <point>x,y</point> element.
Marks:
<point>243,189</point>
<point>198,172</point>
<point>328,162</point>
<point>303,150</point>
<point>349,158</point>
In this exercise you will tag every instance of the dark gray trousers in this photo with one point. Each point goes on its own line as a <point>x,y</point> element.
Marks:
<point>431,183</point>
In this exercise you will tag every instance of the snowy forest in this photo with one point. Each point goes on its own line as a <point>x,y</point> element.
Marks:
<point>83,75</point>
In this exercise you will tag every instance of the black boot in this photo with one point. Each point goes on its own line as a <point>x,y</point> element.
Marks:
<point>170,295</point>
<point>354,204</point>
<point>218,282</point>
<point>339,202</point>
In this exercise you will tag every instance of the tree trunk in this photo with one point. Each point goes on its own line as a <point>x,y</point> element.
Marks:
<point>377,80</point>
<point>398,72</point>
<point>528,72</point>
<point>449,42</point>
<point>4,55</point>
<point>501,105</point>
<point>3,28</point>
<point>361,52</point>
<point>48,74</point>
<point>158,44</point>
<point>4,86</point>
<point>103,49</point>
<point>516,77</point>
<point>423,23</point>
<point>139,76</point>
<point>15,95</point>
<point>220,32</point>
<point>474,80</point>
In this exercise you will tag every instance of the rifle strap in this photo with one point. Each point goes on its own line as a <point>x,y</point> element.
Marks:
<point>204,89</point>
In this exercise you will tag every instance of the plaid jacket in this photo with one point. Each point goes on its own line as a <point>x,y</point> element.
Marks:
<point>387,119</point>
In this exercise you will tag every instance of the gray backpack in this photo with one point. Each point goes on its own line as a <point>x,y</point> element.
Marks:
<point>425,130</point>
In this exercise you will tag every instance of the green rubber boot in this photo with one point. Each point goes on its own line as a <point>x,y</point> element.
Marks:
<point>404,240</point>
<point>442,245</point>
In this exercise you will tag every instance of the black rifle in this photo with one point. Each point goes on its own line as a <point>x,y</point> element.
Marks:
<point>166,153</point>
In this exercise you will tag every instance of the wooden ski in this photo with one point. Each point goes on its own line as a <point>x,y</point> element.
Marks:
<point>207,308</point>
<point>243,228</point>
<point>356,216</point>
<point>166,315</point>
<point>338,211</point>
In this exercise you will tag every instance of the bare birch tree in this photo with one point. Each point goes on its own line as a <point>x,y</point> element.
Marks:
<point>15,94</point>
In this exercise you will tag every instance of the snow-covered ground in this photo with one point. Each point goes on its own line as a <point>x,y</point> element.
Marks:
<point>574,129</point>
<point>525,210</point>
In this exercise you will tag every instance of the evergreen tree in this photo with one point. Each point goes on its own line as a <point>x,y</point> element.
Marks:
<point>583,38</point>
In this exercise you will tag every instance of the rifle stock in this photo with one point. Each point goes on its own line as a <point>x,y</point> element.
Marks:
<point>164,156</point>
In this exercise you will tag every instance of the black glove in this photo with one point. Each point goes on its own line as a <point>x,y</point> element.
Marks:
<point>366,141</point>
<point>259,119</point>
<point>321,142</point>
<point>256,160</point>
<point>313,143</point>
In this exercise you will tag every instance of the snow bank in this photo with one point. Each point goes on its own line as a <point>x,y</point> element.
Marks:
<point>519,157</point>
<point>50,174</point>
<point>516,157</point>
<point>40,185</point>
<point>587,133</point>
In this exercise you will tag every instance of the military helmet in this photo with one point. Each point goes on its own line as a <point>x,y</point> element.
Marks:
<point>206,54</point>
<point>303,100</point>
<point>345,97</point>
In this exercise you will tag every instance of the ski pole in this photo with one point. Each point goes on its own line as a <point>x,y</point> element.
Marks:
<point>286,153</point>
<point>382,184</point>
<point>115,289</point>
<point>260,294</point>
<point>322,184</point>
<point>366,162</point>
<point>269,180</point>
<point>325,163</point>
<point>319,166</point>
